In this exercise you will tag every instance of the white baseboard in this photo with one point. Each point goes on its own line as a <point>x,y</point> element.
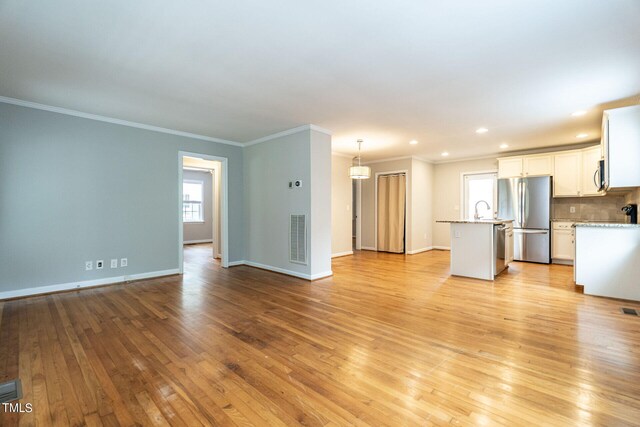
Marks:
<point>562,261</point>
<point>321,275</point>
<point>339,254</point>
<point>288,272</point>
<point>236,263</point>
<point>84,284</point>
<point>442,248</point>
<point>193,242</point>
<point>417,251</point>
<point>368,248</point>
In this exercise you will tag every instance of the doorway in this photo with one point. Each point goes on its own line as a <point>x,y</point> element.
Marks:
<point>203,205</point>
<point>391,211</point>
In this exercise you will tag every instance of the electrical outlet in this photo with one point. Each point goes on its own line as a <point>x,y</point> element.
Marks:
<point>114,263</point>
<point>123,262</point>
<point>88,265</point>
<point>99,264</point>
<point>457,235</point>
<point>572,209</point>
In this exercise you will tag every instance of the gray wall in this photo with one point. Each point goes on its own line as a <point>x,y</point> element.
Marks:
<point>268,169</point>
<point>305,155</point>
<point>74,189</point>
<point>204,230</point>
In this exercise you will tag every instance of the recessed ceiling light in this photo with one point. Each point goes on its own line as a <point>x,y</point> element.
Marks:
<point>482,130</point>
<point>445,154</point>
<point>504,145</point>
<point>582,135</point>
<point>413,142</point>
<point>578,113</point>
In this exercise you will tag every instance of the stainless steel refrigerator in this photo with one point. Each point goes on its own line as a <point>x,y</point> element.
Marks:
<point>527,201</point>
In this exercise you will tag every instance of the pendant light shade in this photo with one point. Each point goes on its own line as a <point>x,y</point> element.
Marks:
<point>357,171</point>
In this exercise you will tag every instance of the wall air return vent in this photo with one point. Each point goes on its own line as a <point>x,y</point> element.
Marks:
<point>298,239</point>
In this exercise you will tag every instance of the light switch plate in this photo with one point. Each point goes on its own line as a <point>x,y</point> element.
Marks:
<point>114,263</point>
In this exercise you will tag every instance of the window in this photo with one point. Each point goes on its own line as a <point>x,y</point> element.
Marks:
<point>480,187</point>
<point>192,206</point>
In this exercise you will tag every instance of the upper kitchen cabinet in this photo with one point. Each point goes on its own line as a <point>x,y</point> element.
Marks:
<point>621,147</point>
<point>534,165</point>
<point>567,174</point>
<point>590,160</point>
<point>538,165</point>
<point>510,167</point>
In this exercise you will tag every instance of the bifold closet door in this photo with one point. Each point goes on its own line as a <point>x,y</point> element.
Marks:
<point>391,212</point>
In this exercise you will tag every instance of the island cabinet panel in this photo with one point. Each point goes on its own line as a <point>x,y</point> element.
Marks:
<point>607,260</point>
<point>472,250</point>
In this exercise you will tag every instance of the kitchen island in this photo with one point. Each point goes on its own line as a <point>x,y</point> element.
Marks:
<point>480,248</point>
<point>607,260</point>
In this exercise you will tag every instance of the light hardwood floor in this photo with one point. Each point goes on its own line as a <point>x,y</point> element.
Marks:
<point>388,340</point>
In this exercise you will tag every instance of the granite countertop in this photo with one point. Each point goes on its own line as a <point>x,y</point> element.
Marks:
<point>606,225</point>
<point>479,221</point>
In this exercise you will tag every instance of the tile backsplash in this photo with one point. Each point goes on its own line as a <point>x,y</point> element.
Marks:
<point>605,208</point>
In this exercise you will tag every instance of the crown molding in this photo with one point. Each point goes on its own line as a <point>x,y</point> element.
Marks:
<point>466,159</point>
<point>287,132</point>
<point>393,159</point>
<point>335,153</point>
<point>105,119</point>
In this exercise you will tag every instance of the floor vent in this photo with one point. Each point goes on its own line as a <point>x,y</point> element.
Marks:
<point>10,391</point>
<point>630,311</point>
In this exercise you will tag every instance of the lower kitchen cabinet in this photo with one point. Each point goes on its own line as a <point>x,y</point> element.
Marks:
<point>562,241</point>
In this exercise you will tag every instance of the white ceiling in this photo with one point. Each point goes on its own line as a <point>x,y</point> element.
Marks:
<point>384,71</point>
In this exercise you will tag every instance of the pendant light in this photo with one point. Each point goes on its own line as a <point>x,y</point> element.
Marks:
<point>357,171</point>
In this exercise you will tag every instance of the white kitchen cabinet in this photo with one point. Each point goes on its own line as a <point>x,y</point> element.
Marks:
<point>541,165</point>
<point>567,168</point>
<point>510,167</point>
<point>562,241</point>
<point>534,165</point>
<point>590,158</point>
<point>621,147</point>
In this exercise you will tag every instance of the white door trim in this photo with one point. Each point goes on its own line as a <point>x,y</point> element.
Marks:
<point>375,205</point>
<point>224,206</point>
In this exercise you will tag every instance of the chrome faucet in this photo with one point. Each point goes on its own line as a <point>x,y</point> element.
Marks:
<point>477,215</point>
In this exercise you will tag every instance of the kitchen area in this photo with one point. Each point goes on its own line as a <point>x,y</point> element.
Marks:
<point>576,207</point>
